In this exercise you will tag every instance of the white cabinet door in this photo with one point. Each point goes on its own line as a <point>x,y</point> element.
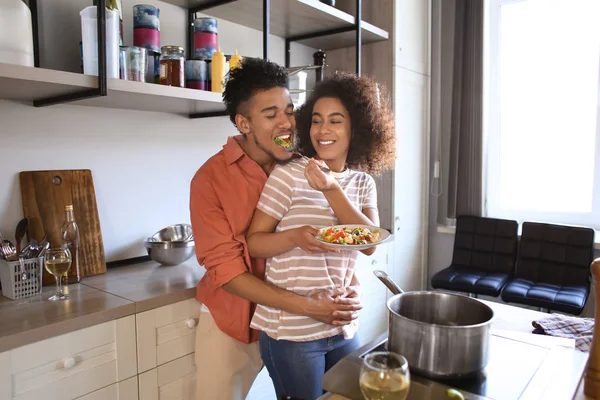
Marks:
<point>373,318</point>
<point>412,32</point>
<point>410,179</point>
<point>166,333</point>
<point>172,381</point>
<point>5,376</point>
<point>126,390</point>
<point>74,364</point>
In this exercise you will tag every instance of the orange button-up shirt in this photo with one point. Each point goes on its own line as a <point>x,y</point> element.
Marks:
<point>223,196</point>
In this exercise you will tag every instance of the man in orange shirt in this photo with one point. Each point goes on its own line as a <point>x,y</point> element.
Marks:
<point>223,196</point>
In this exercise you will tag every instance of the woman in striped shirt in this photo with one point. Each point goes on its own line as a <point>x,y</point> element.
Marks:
<point>347,130</point>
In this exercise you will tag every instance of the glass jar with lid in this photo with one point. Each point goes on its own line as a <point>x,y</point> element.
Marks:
<point>172,66</point>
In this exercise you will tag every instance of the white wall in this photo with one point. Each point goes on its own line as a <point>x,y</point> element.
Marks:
<point>142,162</point>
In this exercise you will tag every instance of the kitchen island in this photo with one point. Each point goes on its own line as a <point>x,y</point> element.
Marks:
<point>522,365</point>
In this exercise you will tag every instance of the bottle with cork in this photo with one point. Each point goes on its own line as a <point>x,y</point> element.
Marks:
<point>70,237</point>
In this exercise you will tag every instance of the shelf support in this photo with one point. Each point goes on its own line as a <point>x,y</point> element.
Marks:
<point>210,4</point>
<point>299,38</point>
<point>102,89</point>
<point>266,28</point>
<point>190,43</point>
<point>34,30</point>
<point>358,35</point>
<point>208,114</point>
<point>288,54</point>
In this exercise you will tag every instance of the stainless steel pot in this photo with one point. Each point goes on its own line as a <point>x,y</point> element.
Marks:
<point>442,335</point>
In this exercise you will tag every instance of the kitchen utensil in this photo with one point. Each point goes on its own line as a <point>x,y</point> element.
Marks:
<point>146,27</point>
<point>9,251</point>
<point>169,253</point>
<point>43,249</point>
<point>32,249</point>
<point>12,286</point>
<point>22,268</point>
<point>174,233</point>
<point>16,35</point>
<point>442,335</point>
<point>133,63</point>
<point>44,195</point>
<point>1,246</point>
<point>384,237</point>
<point>89,34</point>
<point>20,232</point>
<point>57,262</point>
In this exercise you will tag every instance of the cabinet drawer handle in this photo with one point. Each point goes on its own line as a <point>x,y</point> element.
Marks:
<point>69,363</point>
<point>190,323</point>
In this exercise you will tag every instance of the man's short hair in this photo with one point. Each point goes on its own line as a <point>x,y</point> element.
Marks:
<point>251,75</point>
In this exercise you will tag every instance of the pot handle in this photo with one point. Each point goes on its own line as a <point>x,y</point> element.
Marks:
<point>387,281</point>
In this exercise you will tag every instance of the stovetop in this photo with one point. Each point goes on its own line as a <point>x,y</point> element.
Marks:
<point>509,374</point>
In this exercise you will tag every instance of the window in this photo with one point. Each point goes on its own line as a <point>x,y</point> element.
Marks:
<point>542,135</point>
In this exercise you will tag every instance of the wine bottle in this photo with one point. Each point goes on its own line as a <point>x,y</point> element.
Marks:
<point>70,237</point>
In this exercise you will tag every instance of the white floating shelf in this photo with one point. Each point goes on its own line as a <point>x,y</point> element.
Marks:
<point>28,84</point>
<point>292,18</point>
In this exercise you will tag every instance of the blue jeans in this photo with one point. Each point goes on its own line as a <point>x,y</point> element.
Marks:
<point>297,368</point>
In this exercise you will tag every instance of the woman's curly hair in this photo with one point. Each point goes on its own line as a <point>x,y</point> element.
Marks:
<point>372,137</point>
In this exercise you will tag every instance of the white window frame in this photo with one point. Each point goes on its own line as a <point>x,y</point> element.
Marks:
<point>492,133</point>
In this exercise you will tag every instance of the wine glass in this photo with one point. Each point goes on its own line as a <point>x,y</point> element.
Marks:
<point>384,376</point>
<point>58,261</point>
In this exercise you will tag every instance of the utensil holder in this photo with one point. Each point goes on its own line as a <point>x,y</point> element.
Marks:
<point>10,276</point>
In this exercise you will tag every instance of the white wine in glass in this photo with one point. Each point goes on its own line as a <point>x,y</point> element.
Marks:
<point>57,262</point>
<point>384,376</point>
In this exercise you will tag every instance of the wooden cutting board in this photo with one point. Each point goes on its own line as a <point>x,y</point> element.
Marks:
<point>45,195</point>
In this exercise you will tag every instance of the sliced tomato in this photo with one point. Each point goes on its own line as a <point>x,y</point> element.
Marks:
<point>338,235</point>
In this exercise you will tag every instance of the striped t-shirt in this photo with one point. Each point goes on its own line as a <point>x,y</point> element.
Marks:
<point>288,197</point>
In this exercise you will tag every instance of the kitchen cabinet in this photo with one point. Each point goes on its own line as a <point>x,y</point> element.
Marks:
<point>72,365</point>
<point>166,333</point>
<point>411,42</point>
<point>126,390</point>
<point>171,381</point>
<point>410,178</point>
<point>372,320</point>
<point>5,385</point>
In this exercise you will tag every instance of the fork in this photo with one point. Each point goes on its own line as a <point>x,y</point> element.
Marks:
<point>8,250</point>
